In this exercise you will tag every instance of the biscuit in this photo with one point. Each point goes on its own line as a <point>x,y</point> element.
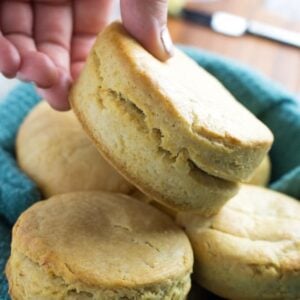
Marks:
<point>251,249</point>
<point>97,245</point>
<point>261,175</point>
<point>170,128</point>
<point>55,152</point>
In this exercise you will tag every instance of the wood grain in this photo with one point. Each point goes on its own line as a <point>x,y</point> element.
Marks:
<point>279,62</point>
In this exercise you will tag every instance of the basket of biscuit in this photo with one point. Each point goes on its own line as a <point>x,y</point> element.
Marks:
<point>166,180</point>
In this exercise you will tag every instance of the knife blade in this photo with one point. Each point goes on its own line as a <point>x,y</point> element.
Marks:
<point>233,25</point>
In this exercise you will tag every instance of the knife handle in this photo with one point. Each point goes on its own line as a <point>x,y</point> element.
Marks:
<point>284,36</point>
<point>197,17</point>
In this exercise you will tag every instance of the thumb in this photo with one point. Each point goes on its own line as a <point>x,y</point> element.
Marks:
<point>146,20</point>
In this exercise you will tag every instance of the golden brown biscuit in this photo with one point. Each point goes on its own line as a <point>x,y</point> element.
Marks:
<point>166,126</point>
<point>261,175</point>
<point>251,249</point>
<point>96,245</point>
<point>55,152</point>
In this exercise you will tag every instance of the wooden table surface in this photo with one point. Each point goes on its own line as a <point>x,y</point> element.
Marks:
<point>279,62</point>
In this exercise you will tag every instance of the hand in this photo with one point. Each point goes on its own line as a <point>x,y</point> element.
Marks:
<point>47,42</point>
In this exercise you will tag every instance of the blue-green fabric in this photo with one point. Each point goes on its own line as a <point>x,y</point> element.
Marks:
<point>4,253</point>
<point>17,191</point>
<point>276,107</point>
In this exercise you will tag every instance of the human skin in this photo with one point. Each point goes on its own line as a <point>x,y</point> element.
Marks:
<point>47,42</point>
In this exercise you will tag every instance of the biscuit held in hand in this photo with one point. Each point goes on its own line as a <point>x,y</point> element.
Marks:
<point>262,174</point>
<point>170,128</point>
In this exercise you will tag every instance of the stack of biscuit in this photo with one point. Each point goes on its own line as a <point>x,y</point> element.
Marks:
<point>90,239</point>
<point>170,192</point>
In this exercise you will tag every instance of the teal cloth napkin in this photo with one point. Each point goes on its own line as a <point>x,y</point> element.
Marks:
<point>277,108</point>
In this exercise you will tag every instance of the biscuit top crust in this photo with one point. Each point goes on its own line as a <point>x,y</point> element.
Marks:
<point>257,213</point>
<point>183,89</point>
<point>103,239</point>
<point>256,226</point>
<point>190,109</point>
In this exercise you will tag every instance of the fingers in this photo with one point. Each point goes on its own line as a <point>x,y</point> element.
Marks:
<point>57,95</point>
<point>53,38</point>
<point>35,67</point>
<point>53,33</point>
<point>90,17</point>
<point>9,58</point>
<point>146,20</point>
<point>32,65</point>
<point>81,46</point>
<point>16,20</point>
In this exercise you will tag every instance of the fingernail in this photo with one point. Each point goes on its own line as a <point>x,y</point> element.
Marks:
<point>166,40</point>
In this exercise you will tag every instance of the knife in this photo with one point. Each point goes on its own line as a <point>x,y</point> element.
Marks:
<point>233,25</point>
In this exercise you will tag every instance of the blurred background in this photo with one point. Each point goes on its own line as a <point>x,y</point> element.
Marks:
<point>279,62</point>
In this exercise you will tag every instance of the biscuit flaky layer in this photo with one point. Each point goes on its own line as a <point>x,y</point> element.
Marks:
<point>251,249</point>
<point>28,281</point>
<point>142,132</point>
<point>94,245</point>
